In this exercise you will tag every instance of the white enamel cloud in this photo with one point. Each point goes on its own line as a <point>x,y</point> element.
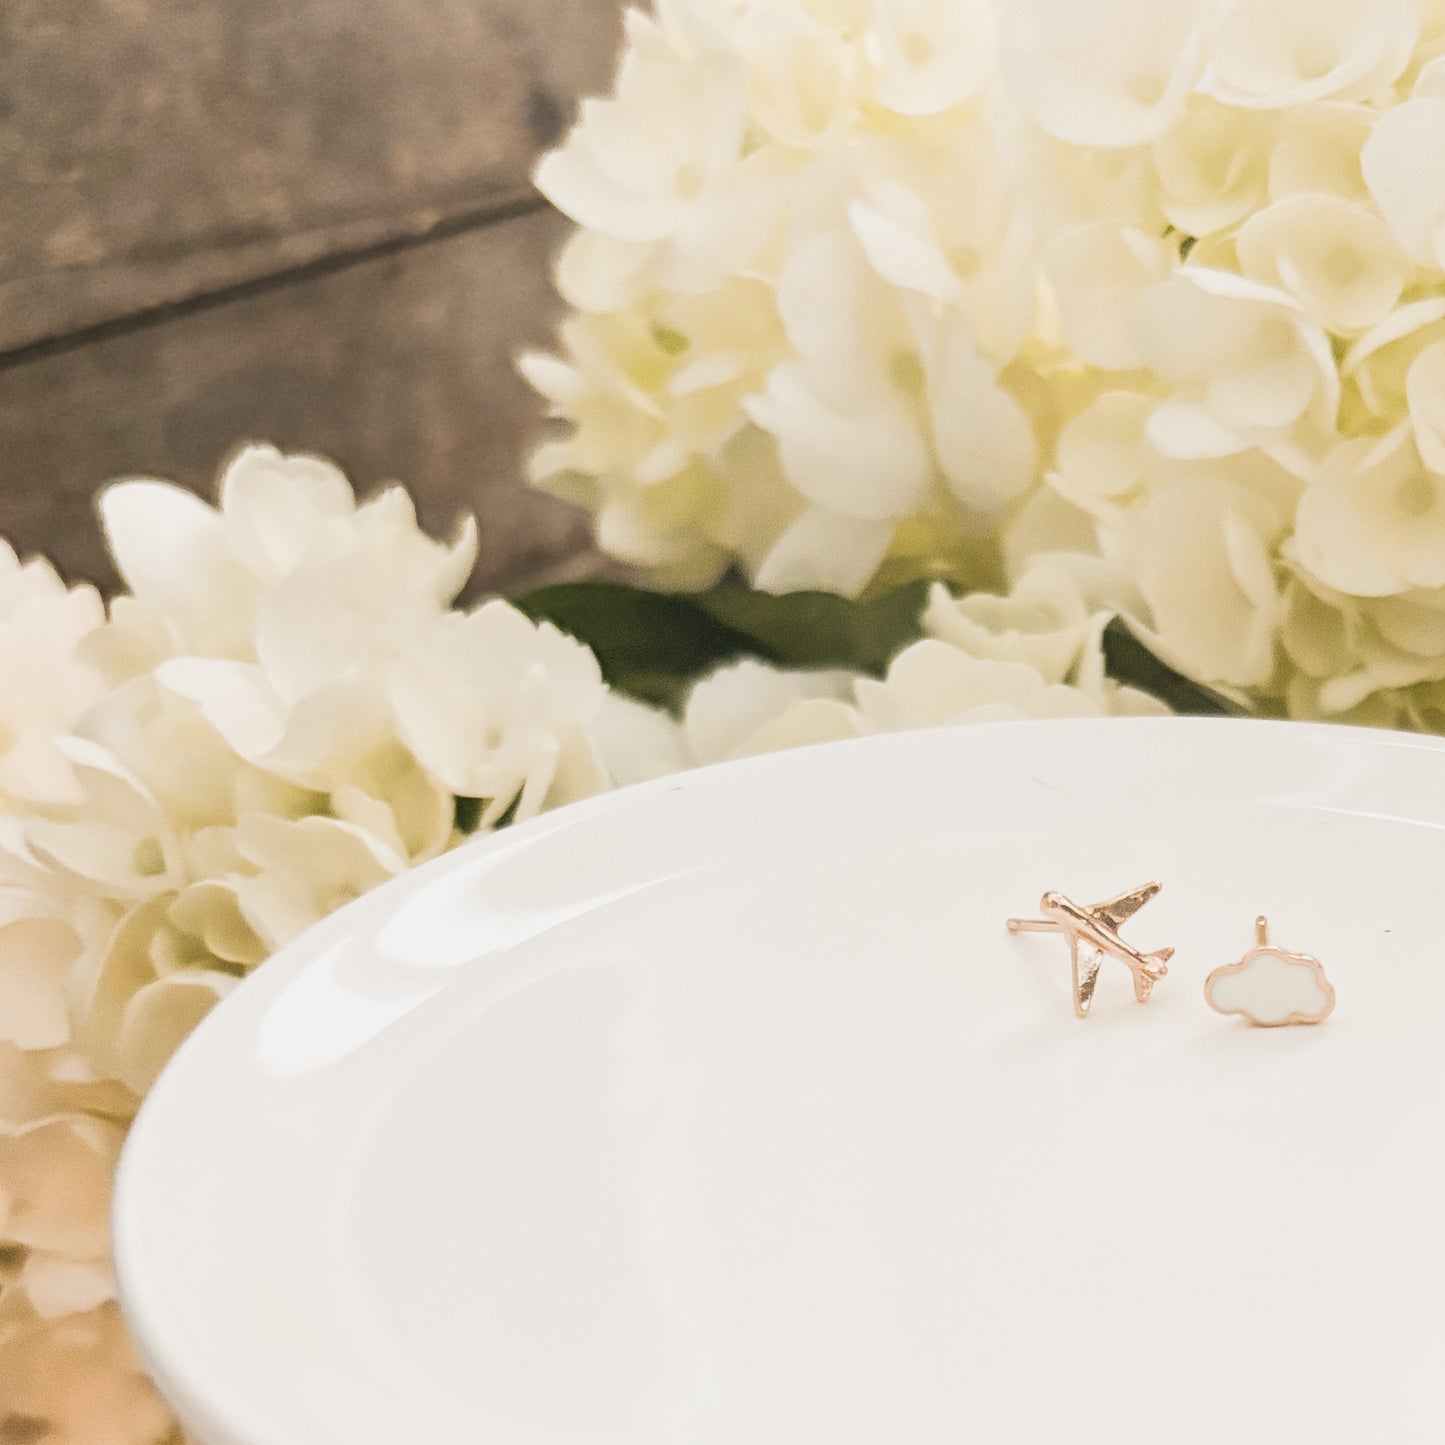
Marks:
<point>1270,987</point>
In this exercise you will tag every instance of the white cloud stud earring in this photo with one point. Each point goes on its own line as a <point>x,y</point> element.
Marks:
<point>1271,987</point>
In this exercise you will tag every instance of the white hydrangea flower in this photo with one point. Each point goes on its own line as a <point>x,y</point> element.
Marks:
<point>1201,557</point>
<point>805,77</point>
<point>749,707</point>
<point>1377,661</point>
<point>1034,653</point>
<point>1099,275</point>
<point>55,1178</point>
<point>635,742</point>
<point>1425,396</point>
<point>224,582</point>
<point>886,410</point>
<point>305,601</point>
<point>656,407</point>
<point>46,686</point>
<point>498,707</point>
<point>1105,461</point>
<point>1161,283</point>
<point>305,869</point>
<point>1337,259</point>
<point>1044,622</point>
<point>1052,622</point>
<point>155,818</point>
<point>1113,73</point>
<point>1317,150</point>
<point>38,948</point>
<point>931,55</point>
<point>1213,164</point>
<point>77,1379</point>
<point>1376,367</point>
<point>1060,186</point>
<point>1403,183</point>
<point>931,684</point>
<point>60,1134</point>
<point>1373,525</point>
<point>942,221</point>
<point>1278,53</point>
<point>1247,361</point>
<point>294,711</point>
<point>635,167</point>
<point>41,1084</point>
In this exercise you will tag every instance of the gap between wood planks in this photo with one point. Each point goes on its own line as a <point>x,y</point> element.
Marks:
<point>502,208</point>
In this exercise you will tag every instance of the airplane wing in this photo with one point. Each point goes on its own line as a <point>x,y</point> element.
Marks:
<point>1086,960</point>
<point>1118,911</point>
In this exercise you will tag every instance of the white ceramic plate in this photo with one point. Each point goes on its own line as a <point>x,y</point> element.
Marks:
<point>724,1111</point>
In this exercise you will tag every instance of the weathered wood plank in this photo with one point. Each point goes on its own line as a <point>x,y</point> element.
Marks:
<point>155,150</point>
<point>399,368</point>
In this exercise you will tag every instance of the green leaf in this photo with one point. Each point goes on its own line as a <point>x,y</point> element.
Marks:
<point>653,644</point>
<point>818,629</point>
<point>1129,661</point>
<point>466,814</point>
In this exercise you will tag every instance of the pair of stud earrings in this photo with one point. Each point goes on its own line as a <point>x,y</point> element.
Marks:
<point>1269,986</point>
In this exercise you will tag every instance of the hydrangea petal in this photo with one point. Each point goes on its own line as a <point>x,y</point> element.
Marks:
<point>35,956</point>
<point>78,1378</point>
<point>635,742</point>
<point>1336,258</point>
<point>1425,389</point>
<point>1213,166</point>
<point>1277,53</point>
<point>859,455</point>
<point>1199,555</point>
<point>1043,622</point>
<point>727,710</point>
<point>172,550</point>
<point>1318,151</point>
<point>274,506</point>
<point>1112,73</point>
<point>1362,525</point>
<point>55,1185</point>
<point>159,1016</point>
<point>932,54</point>
<point>1098,274</point>
<point>825,551</point>
<point>1399,162</point>
<point>57,1286</point>
<point>1102,452</point>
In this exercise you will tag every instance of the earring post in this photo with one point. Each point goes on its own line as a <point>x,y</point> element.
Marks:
<point>1034,925</point>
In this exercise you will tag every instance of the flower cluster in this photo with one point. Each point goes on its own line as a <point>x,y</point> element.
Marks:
<point>65,1362</point>
<point>1035,654</point>
<point>283,712</point>
<point>871,289</point>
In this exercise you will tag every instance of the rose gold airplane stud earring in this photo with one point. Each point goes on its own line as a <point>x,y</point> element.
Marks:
<point>1271,987</point>
<point>1093,934</point>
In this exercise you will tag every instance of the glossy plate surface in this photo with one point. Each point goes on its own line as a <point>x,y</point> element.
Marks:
<point>724,1111</point>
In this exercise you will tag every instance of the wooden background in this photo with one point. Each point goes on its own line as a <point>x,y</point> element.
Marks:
<point>301,221</point>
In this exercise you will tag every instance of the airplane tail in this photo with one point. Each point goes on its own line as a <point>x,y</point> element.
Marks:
<point>1156,965</point>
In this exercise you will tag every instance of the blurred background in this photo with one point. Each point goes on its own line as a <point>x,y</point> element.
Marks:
<point>300,221</point>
